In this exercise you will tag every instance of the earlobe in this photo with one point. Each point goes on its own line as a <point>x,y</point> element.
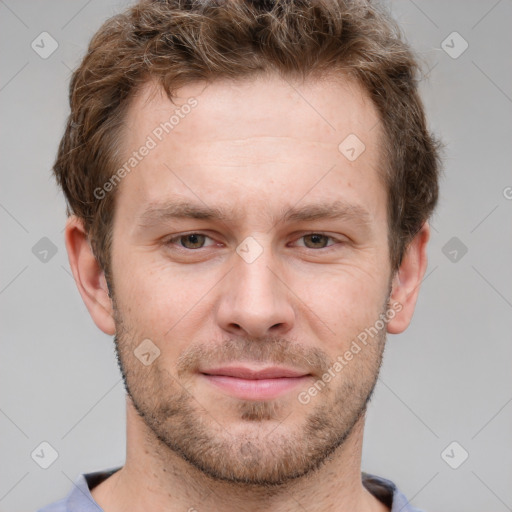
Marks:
<point>89,277</point>
<point>407,280</point>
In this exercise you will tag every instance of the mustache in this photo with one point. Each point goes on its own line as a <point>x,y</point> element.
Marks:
<point>270,350</point>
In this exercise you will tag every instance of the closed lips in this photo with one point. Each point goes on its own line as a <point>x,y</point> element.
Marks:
<point>247,373</point>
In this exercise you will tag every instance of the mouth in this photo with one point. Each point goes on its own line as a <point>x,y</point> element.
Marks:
<point>255,384</point>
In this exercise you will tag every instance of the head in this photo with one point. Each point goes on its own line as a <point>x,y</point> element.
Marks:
<point>208,148</point>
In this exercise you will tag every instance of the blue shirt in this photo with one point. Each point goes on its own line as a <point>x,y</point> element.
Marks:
<point>80,499</point>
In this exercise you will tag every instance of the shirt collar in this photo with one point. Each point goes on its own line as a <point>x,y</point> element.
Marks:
<point>80,499</point>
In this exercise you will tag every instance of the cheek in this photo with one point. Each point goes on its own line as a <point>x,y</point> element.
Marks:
<point>340,304</point>
<point>160,302</point>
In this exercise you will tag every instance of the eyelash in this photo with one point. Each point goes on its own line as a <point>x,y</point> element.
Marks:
<point>170,241</point>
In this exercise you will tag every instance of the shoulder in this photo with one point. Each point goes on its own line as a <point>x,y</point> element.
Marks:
<point>79,498</point>
<point>57,506</point>
<point>388,493</point>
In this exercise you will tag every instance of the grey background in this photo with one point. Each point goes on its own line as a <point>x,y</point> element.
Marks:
<point>447,378</point>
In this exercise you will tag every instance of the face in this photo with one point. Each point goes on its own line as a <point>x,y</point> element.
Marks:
<point>246,241</point>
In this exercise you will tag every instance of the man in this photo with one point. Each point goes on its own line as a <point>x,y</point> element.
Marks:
<point>248,188</point>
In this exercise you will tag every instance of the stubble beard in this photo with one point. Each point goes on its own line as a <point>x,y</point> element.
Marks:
<point>261,448</point>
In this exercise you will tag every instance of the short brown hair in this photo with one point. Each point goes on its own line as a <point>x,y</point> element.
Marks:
<point>177,42</point>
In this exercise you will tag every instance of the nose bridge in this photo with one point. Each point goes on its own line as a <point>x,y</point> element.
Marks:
<point>255,280</point>
<point>254,299</point>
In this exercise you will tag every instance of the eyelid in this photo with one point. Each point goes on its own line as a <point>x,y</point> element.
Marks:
<point>338,240</point>
<point>168,241</point>
<point>297,236</point>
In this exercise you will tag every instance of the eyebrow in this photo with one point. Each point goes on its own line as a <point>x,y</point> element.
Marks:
<point>183,209</point>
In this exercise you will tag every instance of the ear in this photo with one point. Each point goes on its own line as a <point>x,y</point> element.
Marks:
<point>89,277</point>
<point>407,280</point>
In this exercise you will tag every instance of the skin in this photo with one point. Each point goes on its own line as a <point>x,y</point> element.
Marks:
<point>257,147</point>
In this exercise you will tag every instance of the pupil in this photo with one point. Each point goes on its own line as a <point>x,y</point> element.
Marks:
<point>316,238</point>
<point>192,239</point>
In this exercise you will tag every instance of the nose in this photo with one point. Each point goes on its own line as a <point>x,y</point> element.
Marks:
<point>255,301</point>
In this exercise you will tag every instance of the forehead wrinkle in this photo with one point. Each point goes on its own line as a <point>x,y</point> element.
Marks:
<point>184,209</point>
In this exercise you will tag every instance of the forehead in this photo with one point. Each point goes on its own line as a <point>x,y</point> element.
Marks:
<point>318,109</point>
<point>229,141</point>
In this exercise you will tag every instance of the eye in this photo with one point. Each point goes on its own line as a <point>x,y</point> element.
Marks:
<point>189,241</point>
<point>194,241</point>
<point>316,240</point>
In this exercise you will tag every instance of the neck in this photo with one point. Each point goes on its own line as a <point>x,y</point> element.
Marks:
<point>156,478</point>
